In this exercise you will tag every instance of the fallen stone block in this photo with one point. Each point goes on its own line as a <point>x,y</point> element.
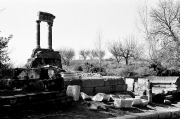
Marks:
<point>23,75</point>
<point>167,102</point>
<point>121,88</point>
<point>123,103</point>
<point>34,73</point>
<point>101,97</point>
<point>92,82</point>
<point>16,72</point>
<point>169,97</point>
<point>51,74</point>
<point>104,89</point>
<point>84,96</point>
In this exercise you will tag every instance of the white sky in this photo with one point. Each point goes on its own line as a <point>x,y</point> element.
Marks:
<point>76,25</point>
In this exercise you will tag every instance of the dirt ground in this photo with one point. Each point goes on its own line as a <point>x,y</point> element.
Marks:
<point>80,110</point>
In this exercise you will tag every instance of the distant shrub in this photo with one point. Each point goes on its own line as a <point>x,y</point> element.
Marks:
<point>127,71</point>
<point>145,71</point>
<point>78,68</point>
<point>90,68</point>
<point>109,59</point>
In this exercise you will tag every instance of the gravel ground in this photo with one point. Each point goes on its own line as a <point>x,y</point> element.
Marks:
<point>79,110</point>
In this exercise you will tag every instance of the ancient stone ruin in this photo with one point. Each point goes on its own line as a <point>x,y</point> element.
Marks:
<point>41,57</point>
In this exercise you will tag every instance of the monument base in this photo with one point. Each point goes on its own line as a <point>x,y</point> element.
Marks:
<point>42,57</point>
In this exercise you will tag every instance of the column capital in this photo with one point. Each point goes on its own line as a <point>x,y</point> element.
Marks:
<point>50,24</point>
<point>38,21</point>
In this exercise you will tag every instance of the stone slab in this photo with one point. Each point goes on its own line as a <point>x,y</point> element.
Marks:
<point>92,82</point>
<point>121,88</point>
<point>130,83</point>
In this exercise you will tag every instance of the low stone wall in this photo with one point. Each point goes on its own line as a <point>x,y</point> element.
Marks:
<point>94,85</point>
<point>138,85</point>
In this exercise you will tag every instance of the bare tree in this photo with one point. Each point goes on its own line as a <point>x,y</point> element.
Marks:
<point>67,55</point>
<point>144,26</point>
<point>102,53</point>
<point>98,47</point>
<point>93,54</point>
<point>114,50</point>
<point>84,53</point>
<point>128,49</point>
<point>166,28</point>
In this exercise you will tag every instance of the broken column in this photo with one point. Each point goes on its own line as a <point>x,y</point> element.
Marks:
<point>38,34</point>
<point>42,57</point>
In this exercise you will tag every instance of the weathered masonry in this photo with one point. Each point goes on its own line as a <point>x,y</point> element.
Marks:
<point>41,57</point>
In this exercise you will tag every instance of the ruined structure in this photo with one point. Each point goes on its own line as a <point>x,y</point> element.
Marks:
<point>41,57</point>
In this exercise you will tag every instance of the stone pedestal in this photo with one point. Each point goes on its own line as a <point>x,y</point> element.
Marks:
<point>42,57</point>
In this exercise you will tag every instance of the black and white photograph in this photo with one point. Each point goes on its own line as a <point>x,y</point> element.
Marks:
<point>89,59</point>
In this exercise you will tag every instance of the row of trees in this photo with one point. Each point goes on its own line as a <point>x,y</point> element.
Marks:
<point>129,49</point>
<point>67,54</point>
<point>91,54</point>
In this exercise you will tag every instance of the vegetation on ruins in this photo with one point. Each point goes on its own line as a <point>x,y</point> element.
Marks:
<point>4,58</point>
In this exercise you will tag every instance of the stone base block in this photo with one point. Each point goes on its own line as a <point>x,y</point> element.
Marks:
<point>88,91</point>
<point>76,82</point>
<point>121,88</point>
<point>67,83</point>
<point>42,57</point>
<point>92,82</point>
<point>120,81</point>
<point>110,81</point>
<point>104,89</point>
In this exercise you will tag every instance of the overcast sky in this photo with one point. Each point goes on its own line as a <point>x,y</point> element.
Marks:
<point>76,25</point>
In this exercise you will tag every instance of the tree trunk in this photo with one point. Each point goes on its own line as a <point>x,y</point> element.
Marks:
<point>127,62</point>
<point>178,53</point>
